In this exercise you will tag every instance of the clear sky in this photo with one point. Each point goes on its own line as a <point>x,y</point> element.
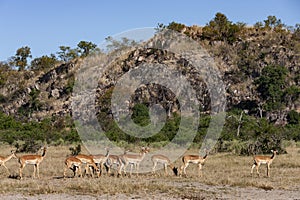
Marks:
<point>46,25</point>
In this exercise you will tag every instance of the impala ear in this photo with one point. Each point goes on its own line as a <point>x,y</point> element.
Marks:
<point>272,151</point>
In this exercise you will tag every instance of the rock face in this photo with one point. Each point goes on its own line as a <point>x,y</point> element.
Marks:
<point>43,96</point>
<point>240,63</point>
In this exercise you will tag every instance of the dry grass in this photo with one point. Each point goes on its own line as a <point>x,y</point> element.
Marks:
<point>221,172</point>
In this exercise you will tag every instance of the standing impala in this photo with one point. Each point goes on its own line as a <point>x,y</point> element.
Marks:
<point>199,160</point>
<point>165,161</point>
<point>34,160</point>
<point>258,160</point>
<point>88,160</point>
<point>133,159</point>
<point>114,160</point>
<point>100,159</point>
<point>3,160</point>
<point>74,164</point>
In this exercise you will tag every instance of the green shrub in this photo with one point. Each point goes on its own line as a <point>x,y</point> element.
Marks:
<point>75,150</point>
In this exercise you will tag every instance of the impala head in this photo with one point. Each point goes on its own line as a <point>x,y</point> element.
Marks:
<point>107,151</point>
<point>44,149</point>
<point>145,149</point>
<point>274,151</point>
<point>206,154</point>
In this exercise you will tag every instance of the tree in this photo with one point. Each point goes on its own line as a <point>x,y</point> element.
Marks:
<point>85,48</point>
<point>221,29</point>
<point>293,117</point>
<point>273,23</point>
<point>66,53</point>
<point>160,27</point>
<point>4,69</point>
<point>296,34</point>
<point>124,43</point>
<point>140,114</point>
<point>176,26</point>
<point>20,59</point>
<point>43,63</point>
<point>258,25</point>
<point>271,85</point>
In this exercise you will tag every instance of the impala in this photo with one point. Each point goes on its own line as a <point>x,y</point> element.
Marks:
<point>165,161</point>
<point>101,159</point>
<point>3,160</point>
<point>88,160</point>
<point>34,160</point>
<point>196,159</point>
<point>74,164</point>
<point>258,160</point>
<point>133,159</point>
<point>114,160</point>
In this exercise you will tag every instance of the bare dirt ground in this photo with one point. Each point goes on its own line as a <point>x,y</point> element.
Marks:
<point>225,176</point>
<point>177,190</point>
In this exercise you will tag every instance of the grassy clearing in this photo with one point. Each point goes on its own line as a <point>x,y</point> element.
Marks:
<point>221,170</point>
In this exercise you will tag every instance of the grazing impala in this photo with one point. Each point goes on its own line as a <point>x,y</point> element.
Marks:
<point>187,159</point>
<point>34,160</point>
<point>100,159</point>
<point>74,164</point>
<point>88,160</point>
<point>133,159</point>
<point>258,160</point>
<point>3,160</point>
<point>165,161</point>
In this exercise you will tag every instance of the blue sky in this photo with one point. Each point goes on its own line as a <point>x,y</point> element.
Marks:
<point>46,25</point>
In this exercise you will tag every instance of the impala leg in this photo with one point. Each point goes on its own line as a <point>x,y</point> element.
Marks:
<point>268,170</point>
<point>154,166</point>
<point>137,166</point>
<point>65,171</point>
<point>86,169</point>
<point>21,170</point>
<point>253,166</point>
<point>131,166</point>
<point>108,169</point>
<point>79,171</point>
<point>5,168</point>
<point>34,171</point>
<point>199,170</point>
<point>125,166</point>
<point>75,170</point>
<point>184,168</point>
<point>101,168</point>
<point>91,171</point>
<point>120,167</point>
<point>257,167</point>
<point>38,170</point>
<point>165,168</point>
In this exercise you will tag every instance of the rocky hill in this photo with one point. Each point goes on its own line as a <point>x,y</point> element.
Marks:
<point>242,59</point>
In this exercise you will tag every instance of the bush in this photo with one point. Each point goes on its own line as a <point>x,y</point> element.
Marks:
<point>29,146</point>
<point>75,150</point>
<point>48,130</point>
<point>235,146</point>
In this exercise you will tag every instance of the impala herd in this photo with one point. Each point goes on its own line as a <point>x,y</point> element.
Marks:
<point>95,164</point>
